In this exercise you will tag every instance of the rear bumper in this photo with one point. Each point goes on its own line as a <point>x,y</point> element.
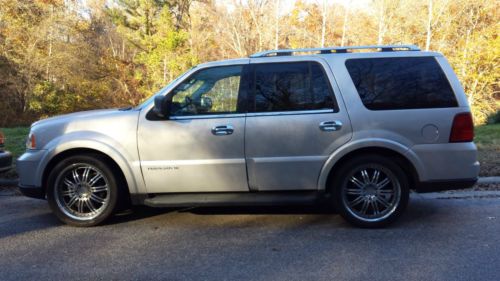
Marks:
<point>32,191</point>
<point>434,186</point>
<point>446,162</point>
<point>5,161</point>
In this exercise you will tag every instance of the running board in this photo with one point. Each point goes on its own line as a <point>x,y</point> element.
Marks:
<point>234,199</point>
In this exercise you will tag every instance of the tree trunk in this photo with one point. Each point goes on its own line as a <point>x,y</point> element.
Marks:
<point>323,24</point>
<point>381,24</point>
<point>464,54</point>
<point>165,70</point>
<point>111,44</point>
<point>429,27</point>
<point>344,27</point>
<point>49,56</point>
<point>47,71</point>
<point>277,27</point>
<point>123,49</point>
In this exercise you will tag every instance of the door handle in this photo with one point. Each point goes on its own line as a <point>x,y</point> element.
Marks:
<point>222,130</point>
<point>330,126</point>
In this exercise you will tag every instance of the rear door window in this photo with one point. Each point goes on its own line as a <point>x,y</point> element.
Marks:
<point>401,83</point>
<point>291,87</point>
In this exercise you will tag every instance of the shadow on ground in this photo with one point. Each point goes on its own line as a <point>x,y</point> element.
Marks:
<point>21,215</point>
<point>416,212</point>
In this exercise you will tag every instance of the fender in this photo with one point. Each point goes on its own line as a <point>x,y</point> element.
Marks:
<point>368,143</point>
<point>99,142</point>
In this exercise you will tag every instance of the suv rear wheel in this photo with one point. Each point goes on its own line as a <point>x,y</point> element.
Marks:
<point>82,190</point>
<point>371,191</point>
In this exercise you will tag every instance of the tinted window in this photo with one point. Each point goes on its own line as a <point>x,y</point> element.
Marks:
<point>291,86</point>
<point>401,83</point>
<point>208,91</point>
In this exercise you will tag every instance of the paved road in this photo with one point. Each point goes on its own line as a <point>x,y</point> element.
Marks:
<point>437,239</point>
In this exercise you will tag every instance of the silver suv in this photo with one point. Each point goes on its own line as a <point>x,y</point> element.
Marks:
<point>356,130</point>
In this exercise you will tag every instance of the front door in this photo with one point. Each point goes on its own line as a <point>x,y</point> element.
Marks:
<point>294,124</point>
<point>201,147</point>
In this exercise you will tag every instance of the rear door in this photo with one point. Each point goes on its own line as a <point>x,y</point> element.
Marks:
<point>293,125</point>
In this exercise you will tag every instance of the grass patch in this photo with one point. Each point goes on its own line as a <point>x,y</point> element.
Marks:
<point>15,139</point>
<point>488,135</point>
<point>487,140</point>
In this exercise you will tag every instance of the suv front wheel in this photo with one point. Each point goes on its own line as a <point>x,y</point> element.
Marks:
<point>82,190</point>
<point>371,191</point>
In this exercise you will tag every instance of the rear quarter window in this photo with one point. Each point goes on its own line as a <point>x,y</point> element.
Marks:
<point>401,83</point>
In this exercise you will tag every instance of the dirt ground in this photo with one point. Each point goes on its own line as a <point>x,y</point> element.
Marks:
<point>490,162</point>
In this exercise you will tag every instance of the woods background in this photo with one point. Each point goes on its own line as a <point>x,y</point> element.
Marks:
<point>59,56</point>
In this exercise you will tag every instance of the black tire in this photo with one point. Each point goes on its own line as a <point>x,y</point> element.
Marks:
<point>358,196</point>
<point>57,189</point>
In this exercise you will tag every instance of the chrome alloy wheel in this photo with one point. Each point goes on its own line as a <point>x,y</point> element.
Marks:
<point>82,192</point>
<point>371,193</point>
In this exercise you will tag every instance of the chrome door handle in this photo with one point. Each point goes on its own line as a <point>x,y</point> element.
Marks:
<point>222,130</point>
<point>330,126</point>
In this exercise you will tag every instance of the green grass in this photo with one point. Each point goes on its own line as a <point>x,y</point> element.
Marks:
<point>488,135</point>
<point>487,140</point>
<point>15,139</point>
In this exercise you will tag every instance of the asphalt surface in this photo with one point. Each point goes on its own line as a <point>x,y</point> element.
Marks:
<point>436,239</point>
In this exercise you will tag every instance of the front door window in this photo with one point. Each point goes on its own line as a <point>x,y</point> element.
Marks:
<point>208,91</point>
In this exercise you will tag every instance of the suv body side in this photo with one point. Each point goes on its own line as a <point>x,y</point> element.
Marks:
<point>398,130</point>
<point>268,151</point>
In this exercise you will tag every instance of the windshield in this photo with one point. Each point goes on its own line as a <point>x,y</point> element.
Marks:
<point>164,90</point>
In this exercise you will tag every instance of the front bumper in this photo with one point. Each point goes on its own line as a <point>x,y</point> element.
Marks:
<point>32,191</point>
<point>434,186</point>
<point>28,168</point>
<point>5,161</point>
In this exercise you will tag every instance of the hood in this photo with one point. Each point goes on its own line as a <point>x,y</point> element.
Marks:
<point>76,115</point>
<point>97,121</point>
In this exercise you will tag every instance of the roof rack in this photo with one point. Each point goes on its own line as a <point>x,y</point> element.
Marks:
<point>334,50</point>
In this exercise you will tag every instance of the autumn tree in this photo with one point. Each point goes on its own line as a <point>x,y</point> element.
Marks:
<point>59,56</point>
<point>154,29</point>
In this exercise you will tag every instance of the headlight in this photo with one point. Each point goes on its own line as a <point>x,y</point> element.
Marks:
<point>31,141</point>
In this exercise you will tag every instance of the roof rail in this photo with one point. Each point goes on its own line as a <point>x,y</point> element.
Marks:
<point>333,50</point>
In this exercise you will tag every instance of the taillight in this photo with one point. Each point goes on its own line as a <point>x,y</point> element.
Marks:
<point>462,129</point>
<point>2,139</point>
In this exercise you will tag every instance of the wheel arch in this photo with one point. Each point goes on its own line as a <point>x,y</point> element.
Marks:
<point>385,148</point>
<point>116,163</point>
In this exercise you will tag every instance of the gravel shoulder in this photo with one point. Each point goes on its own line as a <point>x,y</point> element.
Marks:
<point>490,161</point>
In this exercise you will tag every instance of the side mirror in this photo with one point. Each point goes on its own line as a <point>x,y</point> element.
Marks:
<point>162,106</point>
